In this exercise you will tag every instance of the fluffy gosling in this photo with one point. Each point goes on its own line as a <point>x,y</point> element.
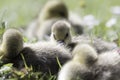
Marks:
<point>78,68</point>
<point>99,44</point>
<point>61,32</point>
<point>107,66</point>
<point>12,43</point>
<point>53,9</point>
<point>42,56</point>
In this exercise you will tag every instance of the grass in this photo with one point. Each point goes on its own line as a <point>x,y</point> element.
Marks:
<point>19,13</point>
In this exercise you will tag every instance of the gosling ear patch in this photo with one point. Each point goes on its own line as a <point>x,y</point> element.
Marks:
<point>66,36</point>
<point>54,36</point>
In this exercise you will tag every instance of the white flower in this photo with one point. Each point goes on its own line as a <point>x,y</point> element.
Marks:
<point>4,69</point>
<point>75,18</point>
<point>111,22</point>
<point>115,10</point>
<point>90,21</point>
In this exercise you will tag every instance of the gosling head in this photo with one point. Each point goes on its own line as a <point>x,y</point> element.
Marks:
<point>84,54</point>
<point>61,32</point>
<point>12,43</point>
<point>53,9</point>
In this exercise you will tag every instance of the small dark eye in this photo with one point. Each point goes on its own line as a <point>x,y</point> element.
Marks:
<point>62,14</point>
<point>66,35</point>
<point>54,36</point>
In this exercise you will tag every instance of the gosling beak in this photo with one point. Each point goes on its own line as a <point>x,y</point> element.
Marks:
<point>61,41</point>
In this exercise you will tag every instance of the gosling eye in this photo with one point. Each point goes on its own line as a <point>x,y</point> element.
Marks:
<point>62,14</point>
<point>54,36</point>
<point>66,35</point>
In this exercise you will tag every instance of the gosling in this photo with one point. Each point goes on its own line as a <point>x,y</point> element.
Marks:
<point>104,66</point>
<point>50,13</point>
<point>66,37</point>
<point>107,66</point>
<point>12,44</point>
<point>45,57</point>
<point>52,10</point>
<point>61,32</point>
<point>58,10</point>
<point>79,67</point>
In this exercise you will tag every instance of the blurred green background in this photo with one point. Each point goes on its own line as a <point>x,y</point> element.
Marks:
<point>21,12</point>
